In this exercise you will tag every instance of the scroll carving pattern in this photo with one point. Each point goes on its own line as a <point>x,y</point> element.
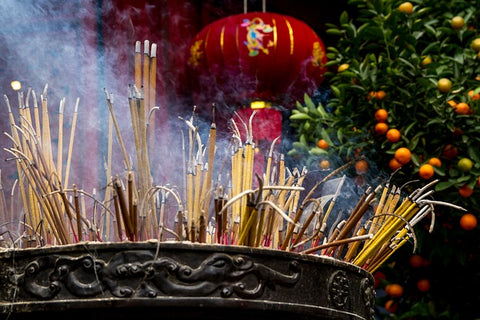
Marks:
<point>141,274</point>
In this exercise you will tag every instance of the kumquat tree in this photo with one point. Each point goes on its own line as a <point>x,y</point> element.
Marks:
<point>404,98</point>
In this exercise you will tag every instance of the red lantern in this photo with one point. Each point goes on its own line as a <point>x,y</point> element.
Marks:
<point>254,56</point>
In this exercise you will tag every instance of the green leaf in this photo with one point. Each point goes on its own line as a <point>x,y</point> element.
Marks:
<point>298,105</point>
<point>308,102</point>
<point>331,62</point>
<point>415,159</point>
<point>435,121</point>
<point>347,74</point>
<point>410,126</point>
<point>463,179</point>
<point>431,30</point>
<point>300,116</point>
<point>413,142</point>
<point>318,151</point>
<point>371,32</point>
<point>324,135</point>
<point>335,90</point>
<point>292,152</point>
<point>473,153</point>
<point>406,62</point>
<point>332,56</point>
<point>334,32</point>
<point>332,49</point>
<point>349,150</point>
<point>344,17</point>
<point>303,140</point>
<point>340,135</point>
<point>351,30</point>
<point>439,171</point>
<point>322,111</point>
<point>299,146</point>
<point>443,185</point>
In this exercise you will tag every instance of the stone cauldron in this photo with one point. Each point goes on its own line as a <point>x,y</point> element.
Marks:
<point>177,280</point>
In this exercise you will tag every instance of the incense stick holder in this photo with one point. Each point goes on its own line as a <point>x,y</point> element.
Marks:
<point>177,280</point>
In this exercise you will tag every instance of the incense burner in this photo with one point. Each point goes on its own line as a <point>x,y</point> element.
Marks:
<point>178,280</point>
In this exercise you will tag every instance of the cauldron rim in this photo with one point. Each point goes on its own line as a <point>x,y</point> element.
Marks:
<point>177,245</point>
<point>307,286</point>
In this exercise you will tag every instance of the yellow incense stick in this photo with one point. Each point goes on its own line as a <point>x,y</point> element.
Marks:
<point>152,94</point>
<point>146,77</point>
<point>36,116</point>
<point>379,210</point>
<point>16,140</point>
<point>212,138</point>
<point>197,182</point>
<point>117,129</point>
<point>46,136</point>
<point>138,64</point>
<point>352,249</point>
<point>60,139</point>
<point>108,173</point>
<point>385,233</point>
<point>70,144</point>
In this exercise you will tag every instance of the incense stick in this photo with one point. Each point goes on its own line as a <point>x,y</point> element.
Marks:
<point>70,144</point>
<point>269,216</point>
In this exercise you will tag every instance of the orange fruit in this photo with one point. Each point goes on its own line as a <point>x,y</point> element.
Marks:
<point>381,128</point>
<point>406,7</point>
<point>343,67</point>
<point>403,155</point>
<point>478,181</point>
<point>468,221</point>
<point>462,108</point>
<point>450,151</point>
<point>380,95</point>
<point>391,306</point>
<point>434,161</point>
<point>381,115</point>
<point>361,166</point>
<point>444,85</point>
<point>457,22</point>
<point>324,164</point>
<point>465,165</point>
<point>426,61</point>
<point>416,260</point>
<point>475,45</point>
<point>423,285</point>
<point>473,95</point>
<point>465,191</point>
<point>457,131</point>
<point>394,290</point>
<point>451,103</point>
<point>322,144</point>
<point>393,135</point>
<point>394,164</point>
<point>426,171</point>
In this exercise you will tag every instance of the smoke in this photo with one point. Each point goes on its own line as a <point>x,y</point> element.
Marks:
<point>44,43</point>
<point>63,44</point>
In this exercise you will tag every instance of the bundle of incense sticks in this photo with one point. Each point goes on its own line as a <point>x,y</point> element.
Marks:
<point>42,177</point>
<point>218,204</point>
